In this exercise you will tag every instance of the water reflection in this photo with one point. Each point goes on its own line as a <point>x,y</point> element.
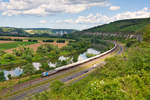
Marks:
<point>14,73</point>
<point>52,65</point>
<point>62,58</point>
<point>93,51</point>
<point>89,51</point>
<point>36,65</point>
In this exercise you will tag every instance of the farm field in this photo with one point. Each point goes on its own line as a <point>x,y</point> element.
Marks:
<point>11,37</point>
<point>34,38</point>
<point>36,45</point>
<point>5,46</point>
<point>9,45</point>
<point>6,42</point>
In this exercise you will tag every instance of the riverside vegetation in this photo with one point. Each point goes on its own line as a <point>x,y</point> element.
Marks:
<point>124,77</point>
<point>24,57</point>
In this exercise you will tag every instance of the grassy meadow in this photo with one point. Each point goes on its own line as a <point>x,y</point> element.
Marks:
<point>5,46</point>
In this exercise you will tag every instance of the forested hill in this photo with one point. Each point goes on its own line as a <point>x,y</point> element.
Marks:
<point>48,31</point>
<point>129,28</point>
<point>129,25</point>
<point>12,31</point>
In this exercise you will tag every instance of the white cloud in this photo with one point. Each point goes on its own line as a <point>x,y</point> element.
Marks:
<point>102,19</point>
<point>43,21</point>
<point>45,7</point>
<point>113,8</point>
<point>144,13</point>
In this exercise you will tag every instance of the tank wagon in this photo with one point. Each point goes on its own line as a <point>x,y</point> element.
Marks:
<point>77,63</point>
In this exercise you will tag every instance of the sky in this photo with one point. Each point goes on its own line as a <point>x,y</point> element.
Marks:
<point>69,14</point>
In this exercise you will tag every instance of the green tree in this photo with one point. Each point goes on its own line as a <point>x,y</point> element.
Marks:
<point>9,57</point>
<point>9,76</point>
<point>46,67</point>
<point>23,52</point>
<point>75,58</point>
<point>147,33</point>
<point>2,53</point>
<point>45,49</point>
<point>29,69</point>
<point>2,78</point>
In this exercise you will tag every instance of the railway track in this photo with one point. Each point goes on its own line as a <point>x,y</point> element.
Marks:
<point>34,86</point>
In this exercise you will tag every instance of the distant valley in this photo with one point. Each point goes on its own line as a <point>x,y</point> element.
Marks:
<point>11,31</point>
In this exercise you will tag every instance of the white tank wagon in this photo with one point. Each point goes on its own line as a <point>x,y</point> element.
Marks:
<point>78,63</point>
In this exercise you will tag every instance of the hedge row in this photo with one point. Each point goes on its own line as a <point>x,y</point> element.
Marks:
<point>6,39</point>
<point>32,40</point>
<point>9,39</point>
<point>48,40</point>
<point>60,41</point>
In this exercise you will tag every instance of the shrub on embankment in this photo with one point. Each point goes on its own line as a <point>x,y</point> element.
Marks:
<point>147,33</point>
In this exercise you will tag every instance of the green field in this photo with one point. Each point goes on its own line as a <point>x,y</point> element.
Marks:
<point>37,38</point>
<point>5,46</point>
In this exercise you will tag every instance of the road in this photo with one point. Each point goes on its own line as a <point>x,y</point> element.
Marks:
<point>80,71</point>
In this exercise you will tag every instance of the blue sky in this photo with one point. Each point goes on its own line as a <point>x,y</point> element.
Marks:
<point>69,14</point>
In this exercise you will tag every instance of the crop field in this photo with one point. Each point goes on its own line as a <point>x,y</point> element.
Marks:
<point>59,45</point>
<point>5,46</point>
<point>34,38</point>
<point>11,37</point>
<point>36,45</point>
<point>6,42</point>
<point>10,45</point>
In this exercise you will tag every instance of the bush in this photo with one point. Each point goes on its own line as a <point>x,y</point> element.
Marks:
<point>9,76</point>
<point>109,90</point>
<point>32,40</point>
<point>56,86</point>
<point>24,52</point>
<point>71,41</point>
<point>2,53</point>
<point>130,43</point>
<point>60,41</point>
<point>29,69</point>
<point>75,58</point>
<point>6,39</point>
<point>90,55</point>
<point>45,49</point>
<point>9,57</point>
<point>46,67</point>
<point>2,78</point>
<point>48,40</point>
<point>18,40</point>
